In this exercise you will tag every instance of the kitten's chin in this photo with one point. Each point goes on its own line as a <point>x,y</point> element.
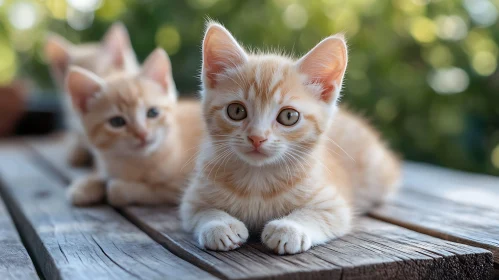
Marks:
<point>255,158</point>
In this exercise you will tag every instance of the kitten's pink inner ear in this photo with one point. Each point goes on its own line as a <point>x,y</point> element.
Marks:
<point>220,52</point>
<point>117,42</point>
<point>82,85</point>
<point>325,65</point>
<point>157,67</point>
<point>57,53</point>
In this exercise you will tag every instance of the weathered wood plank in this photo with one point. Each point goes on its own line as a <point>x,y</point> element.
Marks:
<point>448,204</point>
<point>81,243</point>
<point>15,262</point>
<point>463,187</point>
<point>376,250</point>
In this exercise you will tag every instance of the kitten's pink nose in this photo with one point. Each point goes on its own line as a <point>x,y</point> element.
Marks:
<point>257,140</point>
<point>142,135</point>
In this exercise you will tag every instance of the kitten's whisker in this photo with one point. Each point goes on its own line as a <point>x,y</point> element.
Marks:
<point>217,162</point>
<point>223,160</point>
<point>303,154</point>
<point>194,157</point>
<point>327,148</point>
<point>288,170</point>
<point>337,145</point>
<point>214,160</point>
<point>301,159</point>
<point>295,163</point>
<point>230,157</point>
<point>216,150</point>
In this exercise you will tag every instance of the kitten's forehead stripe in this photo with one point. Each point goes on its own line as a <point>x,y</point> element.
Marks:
<point>261,82</point>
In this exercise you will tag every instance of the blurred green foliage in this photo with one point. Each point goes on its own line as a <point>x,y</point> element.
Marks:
<point>424,71</point>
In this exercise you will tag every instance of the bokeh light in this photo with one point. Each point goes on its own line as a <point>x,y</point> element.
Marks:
<point>423,29</point>
<point>168,38</point>
<point>295,16</point>
<point>449,80</point>
<point>79,20</point>
<point>484,63</point>
<point>482,12</point>
<point>84,5</point>
<point>451,28</point>
<point>22,15</point>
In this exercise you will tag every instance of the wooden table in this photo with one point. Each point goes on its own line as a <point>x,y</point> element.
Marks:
<point>443,225</point>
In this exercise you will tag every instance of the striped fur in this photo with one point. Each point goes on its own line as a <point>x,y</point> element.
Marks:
<point>146,161</point>
<point>313,176</point>
<point>114,54</point>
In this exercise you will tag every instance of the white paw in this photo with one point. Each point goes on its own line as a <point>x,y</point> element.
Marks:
<point>117,193</point>
<point>223,235</point>
<point>86,191</point>
<point>285,237</point>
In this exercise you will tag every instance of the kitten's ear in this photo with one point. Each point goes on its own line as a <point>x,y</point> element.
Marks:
<point>82,85</point>
<point>57,53</point>
<point>325,66</point>
<point>220,52</point>
<point>157,67</point>
<point>117,43</point>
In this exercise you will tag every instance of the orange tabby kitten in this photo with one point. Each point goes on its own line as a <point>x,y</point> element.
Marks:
<point>113,54</point>
<point>279,154</point>
<point>138,132</point>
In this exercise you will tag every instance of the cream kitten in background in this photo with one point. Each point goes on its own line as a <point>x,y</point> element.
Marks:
<point>279,154</point>
<point>140,134</point>
<point>113,54</point>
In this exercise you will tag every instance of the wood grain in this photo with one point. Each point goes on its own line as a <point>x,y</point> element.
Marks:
<point>451,205</point>
<point>15,262</point>
<point>81,243</point>
<point>376,250</point>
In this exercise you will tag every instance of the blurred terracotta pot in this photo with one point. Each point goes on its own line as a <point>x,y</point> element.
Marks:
<point>13,100</point>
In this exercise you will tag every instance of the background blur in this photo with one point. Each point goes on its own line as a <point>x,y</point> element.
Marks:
<point>424,71</point>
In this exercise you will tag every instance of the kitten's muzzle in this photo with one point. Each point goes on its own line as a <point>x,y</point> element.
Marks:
<point>256,141</point>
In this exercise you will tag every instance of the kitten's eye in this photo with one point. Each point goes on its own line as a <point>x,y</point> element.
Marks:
<point>117,121</point>
<point>152,113</point>
<point>237,111</point>
<point>288,117</point>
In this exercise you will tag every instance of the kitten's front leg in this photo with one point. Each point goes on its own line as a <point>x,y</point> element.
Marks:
<point>312,225</point>
<point>219,231</point>
<point>214,229</point>
<point>87,190</point>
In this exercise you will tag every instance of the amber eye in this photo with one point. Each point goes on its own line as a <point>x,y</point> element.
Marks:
<point>236,111</point>
<point>117,121</point>
<point>288,117</point>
